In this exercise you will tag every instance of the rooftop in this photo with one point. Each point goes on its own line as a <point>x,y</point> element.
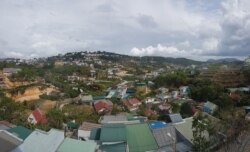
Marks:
<point>157,124</point>
<point>185,128</point>
<point>140,138</point>
<point>164,136</point>
<point>20,132</point>
<point>40,141</point>
<point>120,147</point>
<point>113,133</point>
<point>73,145</point>
<point>88,126</point>
<point>176,117</point>
<point>8,141</point>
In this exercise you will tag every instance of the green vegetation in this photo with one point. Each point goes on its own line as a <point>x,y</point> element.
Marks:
<point>171,80</point>
<point>203,90</point>
<point>201,132</point>
<point>186,110</point>
<point>55,118</point>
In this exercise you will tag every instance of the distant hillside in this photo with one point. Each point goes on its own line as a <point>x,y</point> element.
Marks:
<point>223,60</point>
<point>115,57</point>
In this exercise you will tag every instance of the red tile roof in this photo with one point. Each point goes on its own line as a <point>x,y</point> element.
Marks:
<point>133,101</point>
<point>39,116</point>
<point>102,104</point>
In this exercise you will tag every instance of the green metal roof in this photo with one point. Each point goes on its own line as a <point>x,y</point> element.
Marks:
<point>113,133</point>
<point>73,145</point>
<point>20,132</point>
<point>121,147</point>
<point>140,138</point>
<point>72,125</point>
<point>95,134</point>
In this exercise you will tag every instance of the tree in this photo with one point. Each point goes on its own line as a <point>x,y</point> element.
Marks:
<point>116,109</point>
<point>175,107</point>
<point>201,126</point>
<point>55,118</point>
<point>224,102</point>
<point>203,91</point>
<point>186,110</point>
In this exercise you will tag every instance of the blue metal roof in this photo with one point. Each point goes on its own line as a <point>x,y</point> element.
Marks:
<point>157,124</point>
<point>99,97</point>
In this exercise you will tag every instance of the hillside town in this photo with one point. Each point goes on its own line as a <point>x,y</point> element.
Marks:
<point>106,102</point>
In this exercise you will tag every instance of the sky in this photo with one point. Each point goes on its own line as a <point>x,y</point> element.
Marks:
<point>196,29</point>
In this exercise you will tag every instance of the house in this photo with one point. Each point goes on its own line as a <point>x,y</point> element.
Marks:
<point>8,141</point>
<point>185,128</point>
<point>10,71</point>
<point>141,87</point>
<point>20,131</point>
<point>132,104</point>
<point>122,118</point>
<point>140,138</point>
<point>209,107</point>
<point>113,138</point>
<point>113,134</point>
<point>164,108</point>
<point>175,117</point>
<point>41,141</point>
<point>84,131</point>
<point>175,94</point>
<point>110,119</point>
<point>37,117</point>
<point>73,145</point>
<point>111,94</point>
<point>103,106</point>
<point>119,147</point>
<point>184,90</point>
<point>149,100</point>
<point>87,99</point>
<point>164,96</point>
<point>162,90</point>
<point>121,91</point>
<point>168,138</point>
<point>149,112</point>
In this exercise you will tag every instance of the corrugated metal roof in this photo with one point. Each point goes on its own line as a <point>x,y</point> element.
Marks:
<point>113,133</point>
<point>89,126</point>
<point>121,147</point>
<point>88,98</point>
<point>165,136</point>
<point>8,141</point>
<point>140,138</point>
<point>175,118</point>
<point>40,141</point>
<point>20,132</point>
<point>185,128</point>
<point>72,145</point>
<point>113,118</point>
<point>95,134</point>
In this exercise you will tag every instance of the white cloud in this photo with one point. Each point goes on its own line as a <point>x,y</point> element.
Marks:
<point>158,50</point>
<point>184,27</point>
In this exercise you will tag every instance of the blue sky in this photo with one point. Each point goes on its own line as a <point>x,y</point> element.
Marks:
<point>197,29</point>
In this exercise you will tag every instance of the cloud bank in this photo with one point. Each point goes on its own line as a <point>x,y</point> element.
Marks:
<point>184,28</point>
